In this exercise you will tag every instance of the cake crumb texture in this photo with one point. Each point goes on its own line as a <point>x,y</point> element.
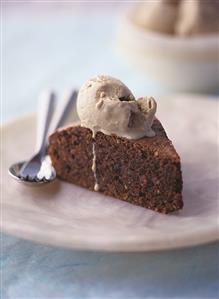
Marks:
<point>145,172</point>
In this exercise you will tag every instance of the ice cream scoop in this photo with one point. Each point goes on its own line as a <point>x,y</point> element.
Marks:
<point>179,17</point>
<point>157,15</point>
<point>198,17</point>
<point>105,104</point>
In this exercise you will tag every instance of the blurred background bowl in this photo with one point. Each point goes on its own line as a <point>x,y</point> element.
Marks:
<point>179,64</point>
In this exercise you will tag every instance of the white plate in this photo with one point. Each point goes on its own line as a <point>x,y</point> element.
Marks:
<point>64,215</point>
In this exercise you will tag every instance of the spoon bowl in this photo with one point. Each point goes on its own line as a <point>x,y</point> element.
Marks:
<point>14,172</point>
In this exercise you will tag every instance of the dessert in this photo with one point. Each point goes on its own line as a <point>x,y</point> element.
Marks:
<point>160,15</point>
<point>198,17</point>
<point>179,17</point>
<point>119,148</point>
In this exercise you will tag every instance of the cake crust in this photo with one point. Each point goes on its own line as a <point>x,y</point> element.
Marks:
<point>144,172</point>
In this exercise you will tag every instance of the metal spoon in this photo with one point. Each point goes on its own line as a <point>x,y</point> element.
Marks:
<point>39,169</point>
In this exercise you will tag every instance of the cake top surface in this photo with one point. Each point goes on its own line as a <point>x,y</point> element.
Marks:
<point>107,105</point>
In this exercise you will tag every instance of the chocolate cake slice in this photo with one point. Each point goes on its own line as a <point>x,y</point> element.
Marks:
<point>119,148</point>
<point>144,172</point>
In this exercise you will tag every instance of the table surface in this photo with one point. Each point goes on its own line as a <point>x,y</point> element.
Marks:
<point>60,48</point>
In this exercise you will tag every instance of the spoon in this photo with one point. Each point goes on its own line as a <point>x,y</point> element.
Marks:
<point>39,169</point>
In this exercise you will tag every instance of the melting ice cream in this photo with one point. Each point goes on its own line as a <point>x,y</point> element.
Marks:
<point>105,104</point>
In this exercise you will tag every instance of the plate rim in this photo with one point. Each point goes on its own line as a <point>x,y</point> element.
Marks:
<point>138,247</point>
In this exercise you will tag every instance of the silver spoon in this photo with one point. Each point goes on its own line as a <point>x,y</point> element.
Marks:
<point>39,169</point>
<point>28,171</point>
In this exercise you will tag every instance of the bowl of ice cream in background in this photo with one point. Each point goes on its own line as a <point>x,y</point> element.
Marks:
<point>174,42</point>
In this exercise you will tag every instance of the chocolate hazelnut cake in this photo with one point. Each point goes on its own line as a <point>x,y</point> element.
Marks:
<point>119,148</point>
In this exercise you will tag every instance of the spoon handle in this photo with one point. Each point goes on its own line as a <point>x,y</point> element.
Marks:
<point>44,115</point>
<point>62,110</point>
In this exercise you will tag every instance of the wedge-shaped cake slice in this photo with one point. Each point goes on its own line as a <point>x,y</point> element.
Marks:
<point>144,171</point>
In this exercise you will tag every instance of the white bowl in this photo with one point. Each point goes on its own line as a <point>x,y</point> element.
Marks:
<point>188,64</point>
